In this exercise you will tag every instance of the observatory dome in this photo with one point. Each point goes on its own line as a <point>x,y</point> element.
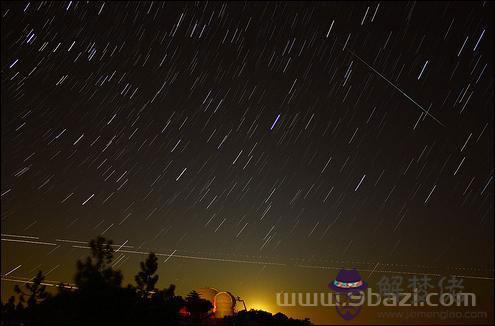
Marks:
<point>223,302</point>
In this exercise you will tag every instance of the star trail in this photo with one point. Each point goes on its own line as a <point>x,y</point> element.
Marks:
<point>246,141</point>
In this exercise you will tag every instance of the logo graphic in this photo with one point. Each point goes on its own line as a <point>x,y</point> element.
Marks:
<point>349,291</point>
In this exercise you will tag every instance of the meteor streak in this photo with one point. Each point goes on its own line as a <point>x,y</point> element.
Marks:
<point>397,88</point>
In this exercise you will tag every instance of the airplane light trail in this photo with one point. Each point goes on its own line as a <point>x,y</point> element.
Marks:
<point>244,261</point>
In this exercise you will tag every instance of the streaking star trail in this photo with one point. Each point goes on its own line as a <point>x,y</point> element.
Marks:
<point>255,147</point>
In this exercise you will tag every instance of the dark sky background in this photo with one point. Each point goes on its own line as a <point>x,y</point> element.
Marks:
<point>260,143</point>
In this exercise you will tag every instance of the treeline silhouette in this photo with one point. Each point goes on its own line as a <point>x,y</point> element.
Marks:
<point>99,298</point>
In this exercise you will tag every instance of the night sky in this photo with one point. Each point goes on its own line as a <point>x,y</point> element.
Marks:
<point>257,147</point>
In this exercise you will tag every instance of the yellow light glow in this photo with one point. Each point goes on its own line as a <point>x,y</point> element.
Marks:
<point>258,305</point>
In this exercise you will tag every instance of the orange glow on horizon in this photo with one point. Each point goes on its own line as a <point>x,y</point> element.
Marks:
<point>259,305</point>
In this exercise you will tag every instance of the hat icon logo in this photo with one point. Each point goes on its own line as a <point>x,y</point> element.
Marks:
<point>348,287</point>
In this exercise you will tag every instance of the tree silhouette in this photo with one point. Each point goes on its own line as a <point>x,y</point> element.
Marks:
<point>262,318</point>
<point>146,278</point>
<point>197,307</point>
<point>9,310</point>
<point>35,291</point>
<point>169,292</point>
<point>163,306</point>
<point>167,295</point>
<point>100,299</point>
<point>96,271</point>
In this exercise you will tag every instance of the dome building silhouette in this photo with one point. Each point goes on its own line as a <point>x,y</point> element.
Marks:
<point>224,303</point>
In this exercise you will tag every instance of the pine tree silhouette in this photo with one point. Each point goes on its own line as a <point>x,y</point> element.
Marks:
<point>197,307</point>
<point>146,278</point>
<point>99,299</point>
<point>96,271</point>
<point>35,291</point>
